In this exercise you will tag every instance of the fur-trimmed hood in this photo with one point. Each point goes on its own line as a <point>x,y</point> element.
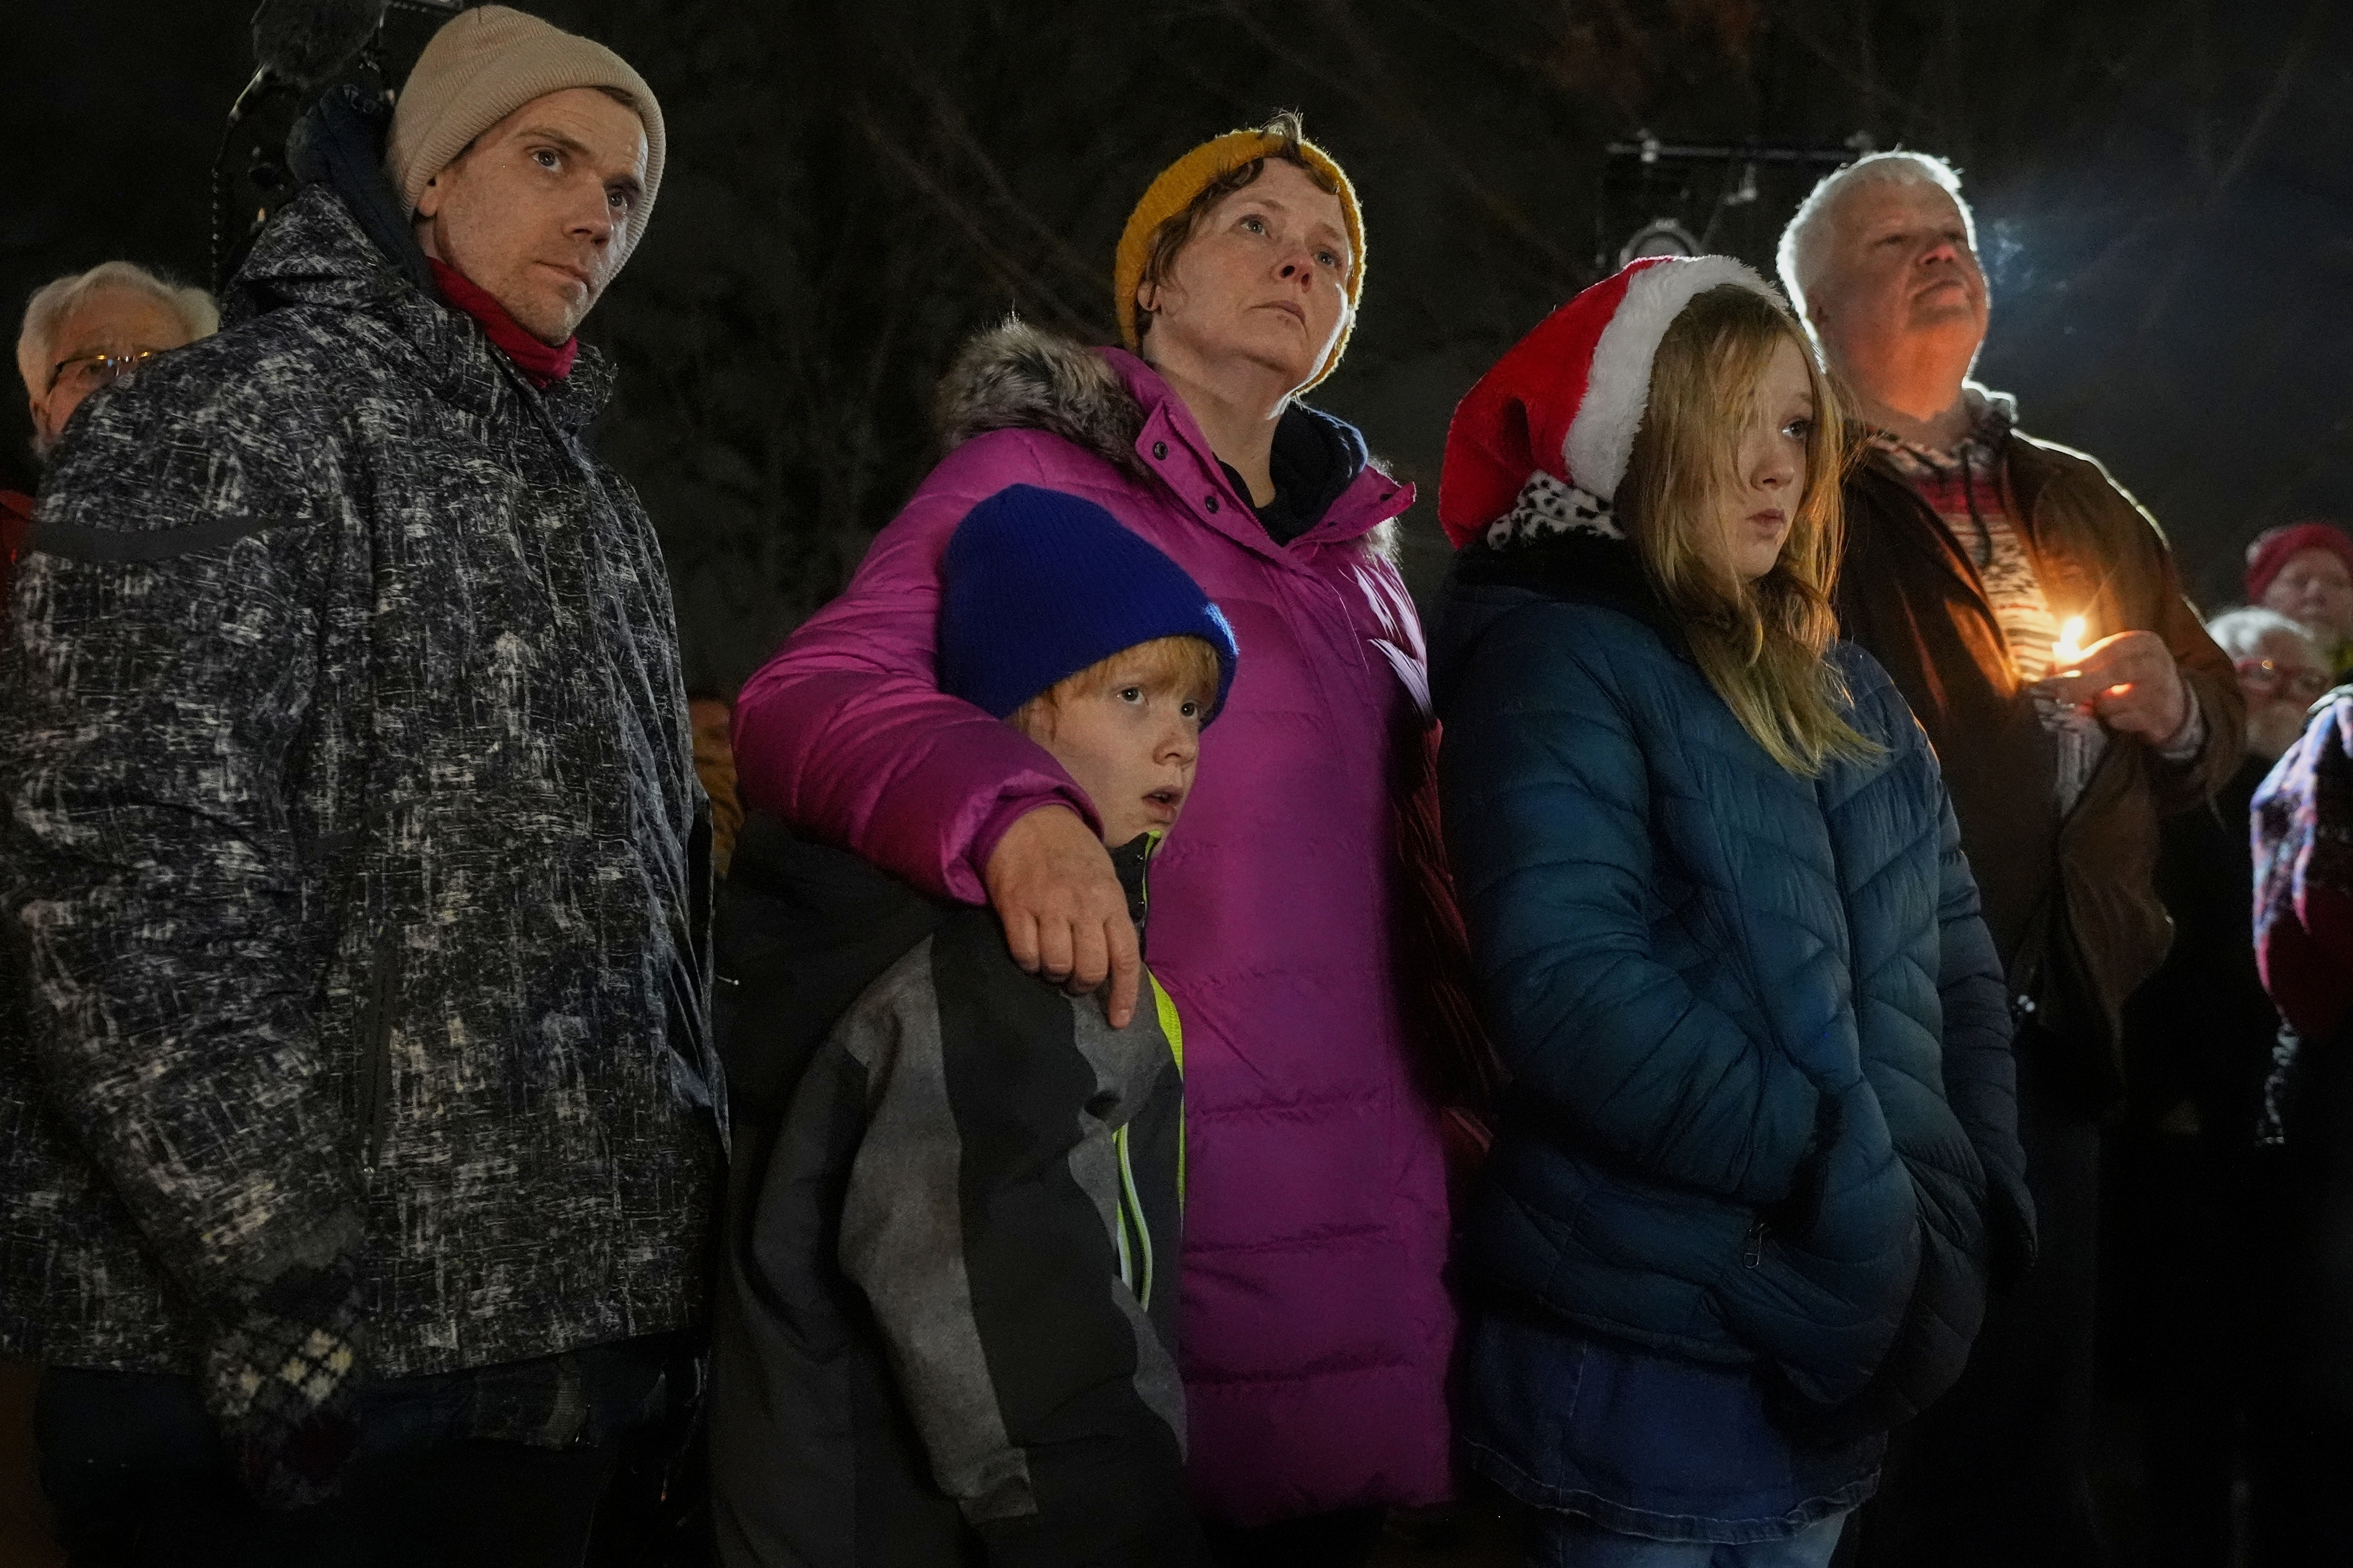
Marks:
<point>1015,376</point>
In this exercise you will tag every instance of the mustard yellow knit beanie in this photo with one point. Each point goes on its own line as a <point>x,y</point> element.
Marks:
<point>482,65</point>
<point>1191,174</point>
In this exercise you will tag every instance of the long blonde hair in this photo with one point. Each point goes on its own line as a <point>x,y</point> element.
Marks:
<point>1761,643</point>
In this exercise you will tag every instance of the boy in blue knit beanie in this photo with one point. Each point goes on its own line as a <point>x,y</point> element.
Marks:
<point>1083,636</point>
<point>946,1329</point>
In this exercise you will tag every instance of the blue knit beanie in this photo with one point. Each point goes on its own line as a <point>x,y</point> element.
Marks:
<point>1039,585</point>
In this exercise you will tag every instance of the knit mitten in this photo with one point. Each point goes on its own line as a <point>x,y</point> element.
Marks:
<point>280,1375</point>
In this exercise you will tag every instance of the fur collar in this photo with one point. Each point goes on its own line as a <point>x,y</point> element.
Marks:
<point>1015,377</point>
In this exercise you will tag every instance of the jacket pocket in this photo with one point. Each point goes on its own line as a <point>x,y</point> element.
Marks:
<point>376,1009</point>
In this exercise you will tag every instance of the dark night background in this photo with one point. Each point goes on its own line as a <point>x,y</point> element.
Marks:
<point>2162,189</point>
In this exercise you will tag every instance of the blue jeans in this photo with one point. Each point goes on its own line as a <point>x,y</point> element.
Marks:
<point>1566,1541</point>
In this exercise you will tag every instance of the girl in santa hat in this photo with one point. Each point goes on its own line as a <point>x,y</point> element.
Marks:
<point>1759,1165</point>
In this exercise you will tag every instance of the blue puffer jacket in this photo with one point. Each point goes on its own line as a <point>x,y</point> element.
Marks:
<point>1764,1111</point>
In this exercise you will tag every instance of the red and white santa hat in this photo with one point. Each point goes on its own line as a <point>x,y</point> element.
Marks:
<point>1553,424</point>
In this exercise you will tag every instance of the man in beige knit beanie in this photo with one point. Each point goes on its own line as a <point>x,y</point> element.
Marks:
<point>364,1113</point>
<point>529,159</point>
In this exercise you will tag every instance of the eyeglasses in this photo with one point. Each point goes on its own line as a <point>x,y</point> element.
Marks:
<point>2270,678</point>
<point>91,371</point>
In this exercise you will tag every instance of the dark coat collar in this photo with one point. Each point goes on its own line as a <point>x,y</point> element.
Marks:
<point>1133,860</point>
<point>340,143</point>
<point>1575,567</point>
<point>1317,458</point>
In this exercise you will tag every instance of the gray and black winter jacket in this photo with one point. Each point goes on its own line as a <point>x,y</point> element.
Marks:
<point>946,1330</point>
<point>350,849</point>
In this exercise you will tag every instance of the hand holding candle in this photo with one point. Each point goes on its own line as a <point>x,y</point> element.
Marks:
<point>2128,681</point>
<point>2069,649</point>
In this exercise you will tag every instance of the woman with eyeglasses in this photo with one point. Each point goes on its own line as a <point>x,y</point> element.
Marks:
<point>2283,670</point>
<point>2190,1201</point>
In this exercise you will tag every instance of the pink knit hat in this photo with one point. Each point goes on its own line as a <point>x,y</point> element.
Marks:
<point>2275,547</point>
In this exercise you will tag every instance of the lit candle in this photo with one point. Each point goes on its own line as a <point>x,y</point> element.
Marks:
<point>2070,646</point>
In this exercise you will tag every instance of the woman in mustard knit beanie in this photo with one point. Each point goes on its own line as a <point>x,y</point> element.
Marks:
<point>1316,1332</point>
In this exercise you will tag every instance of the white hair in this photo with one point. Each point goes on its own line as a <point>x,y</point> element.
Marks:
<point>2240,632</point>
<point>1805,243</point>
<point>51,302</point>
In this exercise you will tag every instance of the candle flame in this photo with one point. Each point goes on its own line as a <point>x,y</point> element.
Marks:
<point>2070,646</point>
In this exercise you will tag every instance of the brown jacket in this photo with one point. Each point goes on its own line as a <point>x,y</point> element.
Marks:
<point>2071,903</point>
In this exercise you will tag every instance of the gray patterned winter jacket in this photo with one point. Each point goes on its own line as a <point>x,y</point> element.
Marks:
<point>351,848</point>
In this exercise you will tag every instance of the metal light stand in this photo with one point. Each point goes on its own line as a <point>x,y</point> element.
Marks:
<point>1661,180</point>
<point>272,104</point>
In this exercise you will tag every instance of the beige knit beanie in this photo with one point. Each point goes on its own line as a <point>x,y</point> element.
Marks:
<point>482,65</point>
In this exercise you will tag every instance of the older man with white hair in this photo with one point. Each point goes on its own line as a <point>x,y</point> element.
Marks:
<point>89,330</point>
<point>2031,612</point>
<point>84,332</point>
<point>360,1132</point>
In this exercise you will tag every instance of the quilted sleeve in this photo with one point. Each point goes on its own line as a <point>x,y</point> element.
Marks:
<point>846,734</point>
<point>161,652</point>
<point>1980,1074</point>
<point>1545,788</point>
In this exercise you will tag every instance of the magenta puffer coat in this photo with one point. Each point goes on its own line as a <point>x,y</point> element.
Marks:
<point>1316,1332</point>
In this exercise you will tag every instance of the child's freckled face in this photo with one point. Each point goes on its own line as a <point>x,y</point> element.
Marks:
<point>1132,745</point>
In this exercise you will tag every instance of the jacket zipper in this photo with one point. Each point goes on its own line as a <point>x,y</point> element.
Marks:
<point>1135,1260</point>
<point>1751,1250</point>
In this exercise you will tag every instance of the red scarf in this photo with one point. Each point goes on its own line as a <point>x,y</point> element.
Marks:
<point>536,360</point>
